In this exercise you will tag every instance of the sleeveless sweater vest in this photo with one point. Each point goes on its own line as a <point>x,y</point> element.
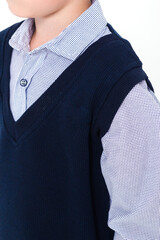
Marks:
<point>51,184</point>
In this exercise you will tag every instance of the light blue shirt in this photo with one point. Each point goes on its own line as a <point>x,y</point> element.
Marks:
<point>130,160</point>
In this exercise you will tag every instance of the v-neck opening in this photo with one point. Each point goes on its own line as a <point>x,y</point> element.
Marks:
<point>38,110</point>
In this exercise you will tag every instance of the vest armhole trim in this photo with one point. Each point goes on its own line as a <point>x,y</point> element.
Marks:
<point>114,99</point>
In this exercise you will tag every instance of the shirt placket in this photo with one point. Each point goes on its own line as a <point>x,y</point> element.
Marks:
<point>32,64</point>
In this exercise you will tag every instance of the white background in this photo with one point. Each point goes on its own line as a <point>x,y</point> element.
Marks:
<point>138,21</point>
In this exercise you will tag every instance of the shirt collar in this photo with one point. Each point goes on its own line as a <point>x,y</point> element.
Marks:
<point>76,36</point>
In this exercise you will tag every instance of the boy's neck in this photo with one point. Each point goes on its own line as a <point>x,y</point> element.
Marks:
<point>50,26</point>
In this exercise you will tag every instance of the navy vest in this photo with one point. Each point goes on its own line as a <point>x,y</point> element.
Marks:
<point>51,184</point>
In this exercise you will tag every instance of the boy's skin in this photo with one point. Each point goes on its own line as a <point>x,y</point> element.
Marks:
<point>51,16</point>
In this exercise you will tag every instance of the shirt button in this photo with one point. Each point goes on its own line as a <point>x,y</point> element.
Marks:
<point>23,82</point>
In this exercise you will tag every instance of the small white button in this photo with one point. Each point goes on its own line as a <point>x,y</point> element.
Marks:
<point>23,82</point>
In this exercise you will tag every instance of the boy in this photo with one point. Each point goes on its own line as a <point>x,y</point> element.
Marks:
<point>79,128</point>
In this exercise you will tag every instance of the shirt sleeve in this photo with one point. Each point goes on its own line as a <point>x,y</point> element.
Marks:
<point>130,165</point>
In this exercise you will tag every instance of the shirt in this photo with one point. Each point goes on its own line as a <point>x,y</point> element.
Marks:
<point>139,159</point>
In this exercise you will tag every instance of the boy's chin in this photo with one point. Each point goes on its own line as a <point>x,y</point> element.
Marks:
<point>21,15</point>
